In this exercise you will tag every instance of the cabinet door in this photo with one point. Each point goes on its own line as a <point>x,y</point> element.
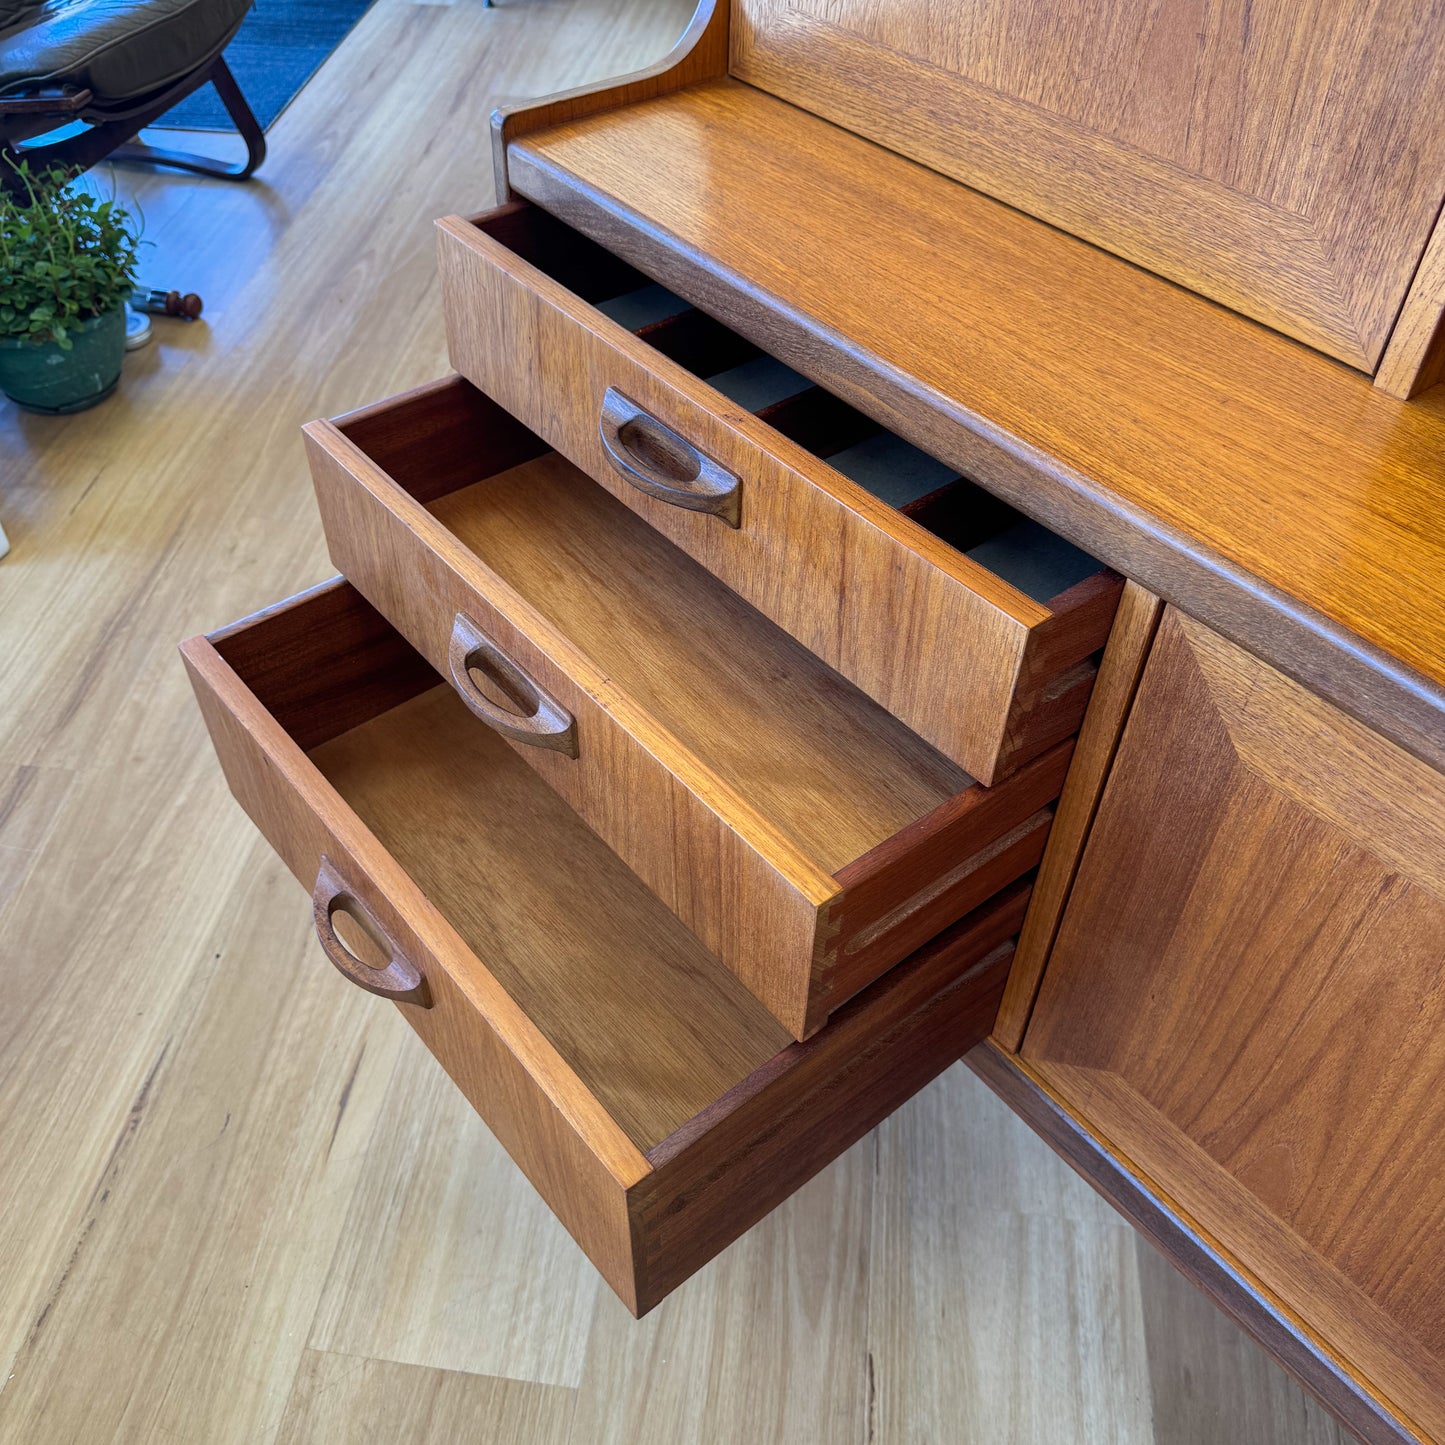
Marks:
<point>1284,158</point>
<point>1247,1000</point>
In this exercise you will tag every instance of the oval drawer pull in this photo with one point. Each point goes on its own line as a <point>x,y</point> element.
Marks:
<point>399,980</point>
<point>659,462</point>
<point>539,720</point>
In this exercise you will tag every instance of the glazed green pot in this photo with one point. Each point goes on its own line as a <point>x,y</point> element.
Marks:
<point>46,379</point>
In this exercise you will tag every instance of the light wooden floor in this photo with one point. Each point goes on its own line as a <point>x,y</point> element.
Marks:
<point>238,1202</point>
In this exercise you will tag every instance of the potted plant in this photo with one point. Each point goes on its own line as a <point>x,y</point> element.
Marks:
<point>67,265</point>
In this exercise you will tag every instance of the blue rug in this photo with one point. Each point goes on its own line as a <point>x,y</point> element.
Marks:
<point>278,48</point>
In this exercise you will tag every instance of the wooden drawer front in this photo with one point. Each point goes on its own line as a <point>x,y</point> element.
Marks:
<point>984,672</point>
<point>806,836</point>
<point>654,1104</point>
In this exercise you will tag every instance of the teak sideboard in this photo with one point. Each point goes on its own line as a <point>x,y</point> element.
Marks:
<point>934,548</point>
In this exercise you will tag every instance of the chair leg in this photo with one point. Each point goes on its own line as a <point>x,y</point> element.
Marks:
<point>247,126</point>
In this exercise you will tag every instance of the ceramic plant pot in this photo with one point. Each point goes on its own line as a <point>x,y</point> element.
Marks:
<point>46,379</point>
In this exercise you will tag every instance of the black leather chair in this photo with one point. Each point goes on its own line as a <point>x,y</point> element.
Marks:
<point>114,66</point>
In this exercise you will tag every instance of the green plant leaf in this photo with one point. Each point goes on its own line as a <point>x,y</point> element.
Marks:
<point>66,255</point>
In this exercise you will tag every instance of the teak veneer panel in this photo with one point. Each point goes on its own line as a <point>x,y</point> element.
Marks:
<point>1277,156</point>
<point>1233,1288</point>
<point>823,762</point>
<point>1119,672</point>
<point>503,858</point>
<point>1247,998</point>
<point>805,835</point>
<point>652,1102</point>
<point>1273,492</point>
<point>842,571</point>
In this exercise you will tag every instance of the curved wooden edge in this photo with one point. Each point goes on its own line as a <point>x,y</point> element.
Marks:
<point>701,54</point>
<point>713,490</point>
<point>548,725</point>
<point>1287,1340</point>
<point>401,980</point>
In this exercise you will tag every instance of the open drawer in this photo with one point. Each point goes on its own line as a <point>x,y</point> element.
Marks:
<point>654,1104</point>
<point>990,670</point>
<point>806,836</point>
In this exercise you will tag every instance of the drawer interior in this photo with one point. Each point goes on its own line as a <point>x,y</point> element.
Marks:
<point>830,768</point>
<point>655,1105</point>
<point>653,1025</point>
<point>1037,562</point>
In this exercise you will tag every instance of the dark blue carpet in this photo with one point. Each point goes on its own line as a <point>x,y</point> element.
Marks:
<point>278,48</point>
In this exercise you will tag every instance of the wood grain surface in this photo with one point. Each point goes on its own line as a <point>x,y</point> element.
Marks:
<point>807,836</point>
<point>222,1164</point>
<point>1245,999</point>
<point>1414,361</point>
<point>837,568</point>
<point>1201,1264</point>
<point>829,767</point>
<point>648,1021</point>
<point>1267,490</point>
<point>653,1102</point>
<point>1271,156</point>
<point>1113,695</point>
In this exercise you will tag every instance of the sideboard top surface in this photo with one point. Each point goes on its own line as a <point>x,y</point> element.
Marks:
<point>1260,485</point>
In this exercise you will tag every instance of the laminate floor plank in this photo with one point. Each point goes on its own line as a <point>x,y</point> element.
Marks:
<point>448,1259</point>
<point>30,800</point>
<point>981,1252</point>
<point>1210,1384</point>
<point>159,1274</point>
<point>340,1398</point>
<point>177,1304</point>
<point>115,916</point>
<point>767,1343</point>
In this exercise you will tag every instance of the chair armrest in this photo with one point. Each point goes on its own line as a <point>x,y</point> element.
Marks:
<point>46,102</point>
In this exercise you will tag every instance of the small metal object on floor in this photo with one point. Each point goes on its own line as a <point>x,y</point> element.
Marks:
<point>166,303</point>
<point>137,329</point>
<point>145,300</point>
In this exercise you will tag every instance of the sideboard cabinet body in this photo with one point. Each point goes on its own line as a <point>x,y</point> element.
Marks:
<point>1246,1000</point>
<point>694,784</point>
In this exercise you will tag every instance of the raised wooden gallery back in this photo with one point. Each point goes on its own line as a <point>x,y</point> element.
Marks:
<point>1273,156</point>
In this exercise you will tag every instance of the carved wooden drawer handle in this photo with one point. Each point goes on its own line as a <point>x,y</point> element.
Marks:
<point>659,462</point>
<point>536,719</point>
<point>399,980</point>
